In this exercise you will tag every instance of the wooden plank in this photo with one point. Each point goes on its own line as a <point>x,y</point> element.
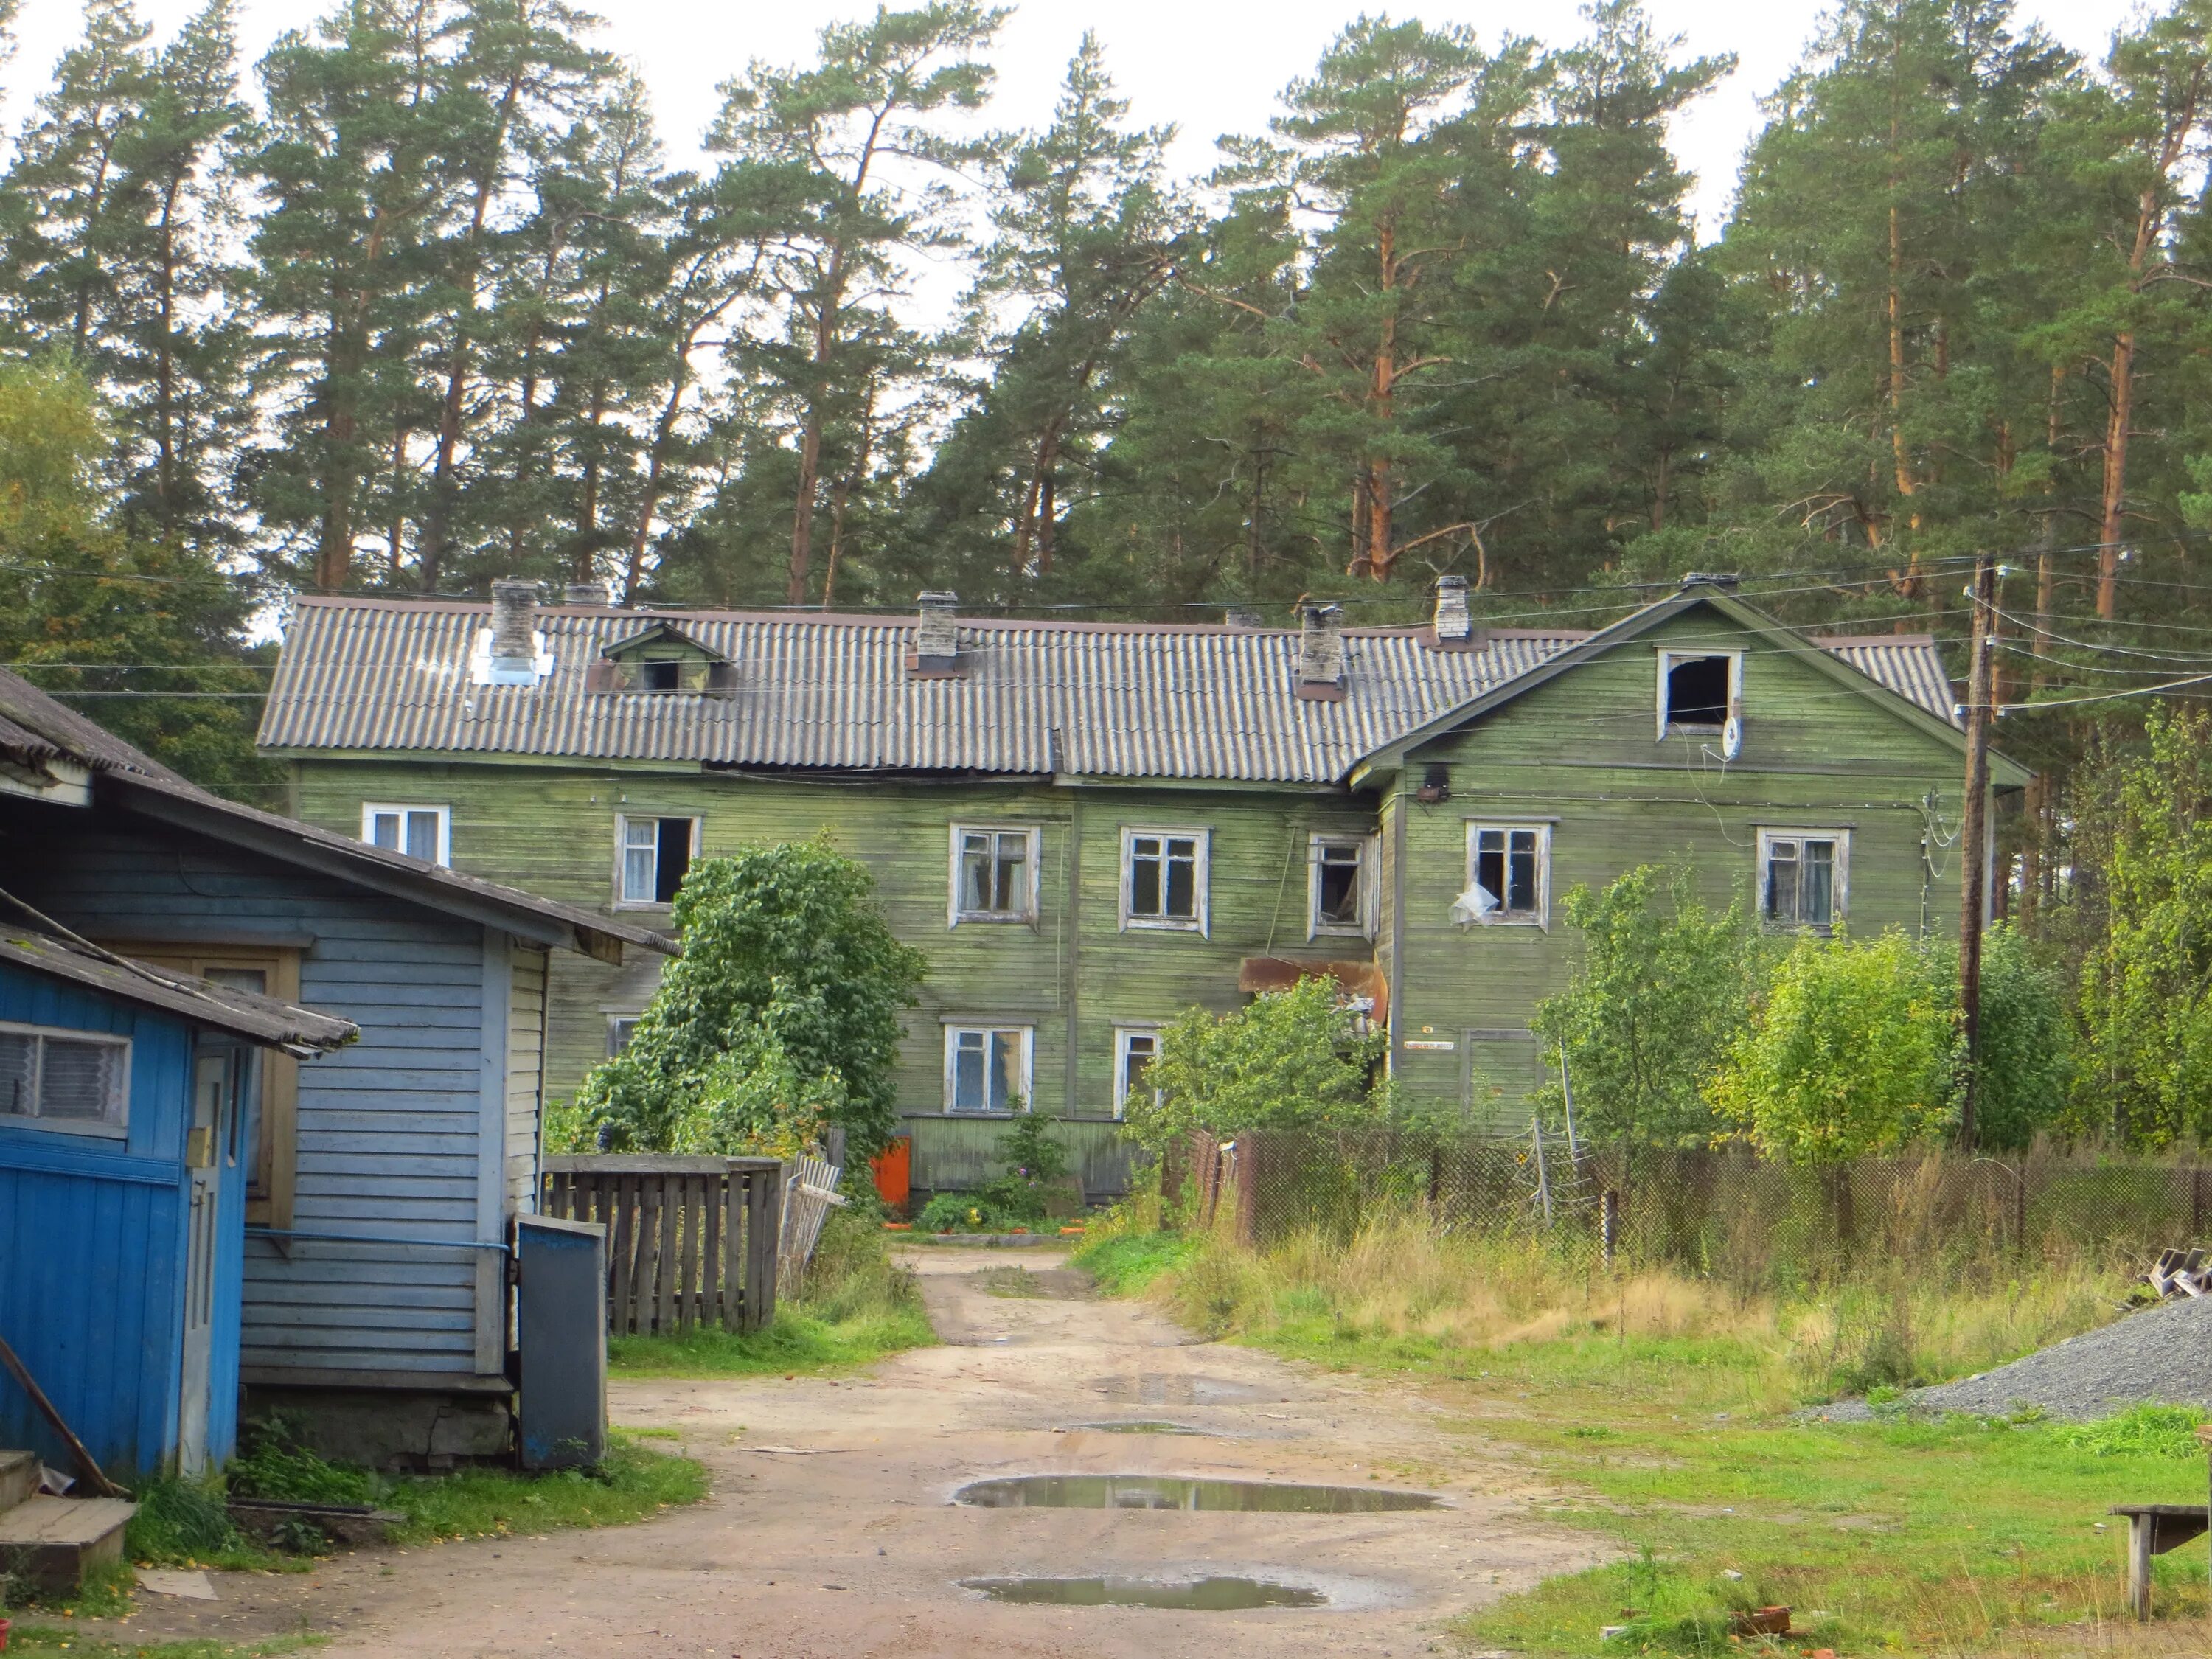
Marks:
<point>645,1263</point>
<point>620,1193</point>
<point>687,1270</point>
<point>733,1260</point>
<point>633,1164</point>
<point>666,1291</point>
<point>710,1251</point>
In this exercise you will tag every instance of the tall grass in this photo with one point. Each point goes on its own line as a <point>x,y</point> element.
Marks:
<point>1401,1291</point>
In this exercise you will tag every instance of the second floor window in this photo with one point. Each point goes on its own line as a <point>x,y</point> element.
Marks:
<point>993,874</point>
<point>421,832</point>
<point>656,856</point>
<point>1508,872</point>
<point>1164,878</point>
<point>1338,897</point>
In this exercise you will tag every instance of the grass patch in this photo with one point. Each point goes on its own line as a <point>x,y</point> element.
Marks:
<point>50,1641</point>
<point>856,1306</point>
<point>1125,1255</point>
<point>1657,1407</point>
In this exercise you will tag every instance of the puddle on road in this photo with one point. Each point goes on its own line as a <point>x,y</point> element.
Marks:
<point>1156,1389</point>
<point>1212,1594</point>
<point>1143,1425</point>
<point>1174,1492</point>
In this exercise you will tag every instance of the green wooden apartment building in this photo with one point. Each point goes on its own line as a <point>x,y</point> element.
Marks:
<point>1090,827</point>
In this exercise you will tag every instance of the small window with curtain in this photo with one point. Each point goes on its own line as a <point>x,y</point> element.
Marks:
<point>76,1082</point>
<point>1135,1048</point>
<point>1163,879</point>
<point>995,873</point>
<point>421,832</point>
<point>1803,878</point>
<point>1338,901</point>
<point>1508,874</point>
<point>655,856</point>
<point>987,1068</point>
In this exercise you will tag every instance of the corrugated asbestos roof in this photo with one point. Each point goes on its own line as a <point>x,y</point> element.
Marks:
<point>834,691</point>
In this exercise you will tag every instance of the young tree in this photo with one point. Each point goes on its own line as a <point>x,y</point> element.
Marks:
<point>791,976</point>
<point>1657,994</point>
<point>1848,1054</point>
<point>1291,1060</point>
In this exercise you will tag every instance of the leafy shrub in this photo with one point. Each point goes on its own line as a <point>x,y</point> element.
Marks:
<point>2026,1060</point>
<point>781,1015</point>
<point>2140,1431</point>
<point>1848,1054</point>
<point>1291,1060</point>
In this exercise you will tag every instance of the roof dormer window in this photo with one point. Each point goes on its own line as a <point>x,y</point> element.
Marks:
<point>661,660</point>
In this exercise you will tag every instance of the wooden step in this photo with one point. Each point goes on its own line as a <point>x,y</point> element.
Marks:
<point>52,1540</point>
<point>19,1477</point>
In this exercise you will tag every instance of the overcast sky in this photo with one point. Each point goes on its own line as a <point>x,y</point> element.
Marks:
<point>1207,66</point>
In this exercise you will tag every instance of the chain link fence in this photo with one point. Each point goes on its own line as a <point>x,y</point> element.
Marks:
<point>1725,1214</point>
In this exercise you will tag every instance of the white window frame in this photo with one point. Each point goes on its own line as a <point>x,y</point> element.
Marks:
<point>954,1029</point>
<point>1201,873</point>
<point>370,810</point>
<point>954,914</point>
<point>622,822</point>
<point>1122,1035</point>
<point>1840,899</point>
<point>118,1128</point>
<point>1668,658</point>
<point>1364,925</point>
<point>1541,917</point>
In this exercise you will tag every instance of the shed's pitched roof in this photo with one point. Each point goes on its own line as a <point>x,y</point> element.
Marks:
<point>1101,700</point>
<point>34,729</point>
<point>138,783</point>
<point>243,1013</point>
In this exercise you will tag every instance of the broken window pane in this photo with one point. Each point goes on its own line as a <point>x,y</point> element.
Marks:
<point>1337,896</point>
<point>1698,691</point>
<point>1508,870</point>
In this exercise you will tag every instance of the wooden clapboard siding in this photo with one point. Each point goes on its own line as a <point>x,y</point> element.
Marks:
<point>1579,749</point>
<point>526,1076</point>
<point>1582,748</point>
<point>390,1132</point>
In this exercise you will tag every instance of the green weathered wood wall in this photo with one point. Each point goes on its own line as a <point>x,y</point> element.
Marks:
<point>1579,750</point>
<point>1582,749</point>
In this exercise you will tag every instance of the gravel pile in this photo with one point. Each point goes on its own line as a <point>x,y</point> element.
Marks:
<point>2163,1354</point>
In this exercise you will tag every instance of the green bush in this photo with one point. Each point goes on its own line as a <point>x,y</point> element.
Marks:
<point>1291,1060</point>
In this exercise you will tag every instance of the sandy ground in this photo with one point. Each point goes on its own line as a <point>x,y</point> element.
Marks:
<point>830,1530</point>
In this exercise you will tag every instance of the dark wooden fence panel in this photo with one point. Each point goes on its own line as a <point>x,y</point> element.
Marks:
<point>691,1241</point>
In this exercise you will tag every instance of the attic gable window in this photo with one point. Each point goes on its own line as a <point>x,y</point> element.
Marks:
<point>661,660</point>
<point>1700,692</point>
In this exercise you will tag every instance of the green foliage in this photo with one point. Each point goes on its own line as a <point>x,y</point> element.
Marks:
<point>1034,1163</point>
<point>1291,1060</point>
<point>1848,1054</point>
<point>2139,1431</point>
<point>781,1015</point>
<point>2026,1060</point>
<point>1657,996</point>
<point>2145,986</point>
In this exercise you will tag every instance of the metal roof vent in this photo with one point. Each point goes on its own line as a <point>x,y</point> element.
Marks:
<point>510,652</point>
<point>1320,653</point>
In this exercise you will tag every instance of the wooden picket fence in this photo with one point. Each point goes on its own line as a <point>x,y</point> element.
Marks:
<point>691,1241</point>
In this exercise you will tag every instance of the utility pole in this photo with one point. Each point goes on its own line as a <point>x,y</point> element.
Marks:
<point>1973,835</point>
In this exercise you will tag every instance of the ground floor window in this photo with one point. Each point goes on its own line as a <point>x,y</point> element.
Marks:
<point>987,1068</point>
<point>1135,1047</point>
<point>1802,877</point>
<point>64,1079</point>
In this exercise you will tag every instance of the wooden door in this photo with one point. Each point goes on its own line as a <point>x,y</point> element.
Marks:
<point>216,1067</point>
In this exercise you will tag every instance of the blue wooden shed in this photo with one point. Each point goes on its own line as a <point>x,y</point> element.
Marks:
<point>128,1097</point>
<point>382,1183</point>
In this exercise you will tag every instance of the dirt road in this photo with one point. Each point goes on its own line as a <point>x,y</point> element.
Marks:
<point>831,1532</point>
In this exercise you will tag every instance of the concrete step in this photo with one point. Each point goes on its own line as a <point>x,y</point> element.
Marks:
<point>19,1477</point>
<point>53,1540</point>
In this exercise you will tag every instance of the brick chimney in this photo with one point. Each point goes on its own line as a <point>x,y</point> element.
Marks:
<point>1454,629</point>
<point>587,593</point>
<point>1243,616</point>
<point>513,646</point>
<point>936,654</point>
<point>1320,653</point>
